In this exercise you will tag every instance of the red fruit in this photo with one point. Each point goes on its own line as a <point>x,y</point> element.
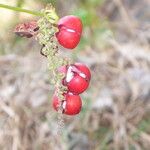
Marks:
<point>84,69</point>
<point>71,105</point>
<point>77,77</point>
<point>70,29</point>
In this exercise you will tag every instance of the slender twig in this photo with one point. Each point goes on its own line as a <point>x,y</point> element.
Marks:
<point>36,13</point>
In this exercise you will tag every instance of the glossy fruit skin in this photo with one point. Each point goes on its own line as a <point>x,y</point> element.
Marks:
<point>78,84</point>
<point>73,104</point>
<point>84,69</point>
<point>70,30</point>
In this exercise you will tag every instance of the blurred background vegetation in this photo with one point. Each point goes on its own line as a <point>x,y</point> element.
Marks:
<point>116,108</point>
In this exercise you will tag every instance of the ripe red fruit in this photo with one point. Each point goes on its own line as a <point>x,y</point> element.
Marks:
<point>84,69</point>
<point>71,105</point>
<point>77,77</point>
<point>70,29</point>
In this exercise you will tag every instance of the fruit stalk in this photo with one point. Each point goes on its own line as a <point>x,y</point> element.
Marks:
<point>36,13</point>
<point>47,38</point>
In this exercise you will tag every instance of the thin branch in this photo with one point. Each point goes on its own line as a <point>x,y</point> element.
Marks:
<point>36,13</point>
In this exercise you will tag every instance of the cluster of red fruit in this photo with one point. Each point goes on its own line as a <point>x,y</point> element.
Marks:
<point>77,76</point>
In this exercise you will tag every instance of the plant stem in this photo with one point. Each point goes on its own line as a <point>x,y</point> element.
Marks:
<point>36,13</point>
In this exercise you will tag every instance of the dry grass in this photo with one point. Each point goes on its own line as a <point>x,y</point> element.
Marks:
<point>116,108</point>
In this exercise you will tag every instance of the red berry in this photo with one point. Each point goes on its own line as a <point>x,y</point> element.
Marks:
<point>71,105</point>
<point>77,77</point>
<point>70,29</point>
<point>84,69</point>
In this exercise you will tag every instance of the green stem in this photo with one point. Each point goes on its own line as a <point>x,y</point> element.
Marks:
<point>21,10</point>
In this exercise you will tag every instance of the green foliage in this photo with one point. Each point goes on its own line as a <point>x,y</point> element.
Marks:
<point>108,136</point>
<point>53,2</point>
<point>144,126</point>
<point>86,107</point>
<point>88,12</point>
<point>95,2</point>
<point>20,3</point>
<point>95,26</point>
<point>136,135</point>
<point>85,16</point>
<point>103,136</point>
<point>132,147</point>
